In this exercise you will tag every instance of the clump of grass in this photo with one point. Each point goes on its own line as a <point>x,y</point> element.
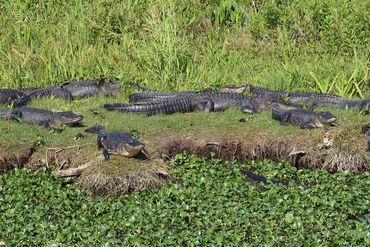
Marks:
<point>121,176</point>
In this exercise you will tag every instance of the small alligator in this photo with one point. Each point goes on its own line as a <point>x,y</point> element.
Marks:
<point>169,106</point>
<point>117,143</point>
<point>41,117</point>
<point>254,177</point>
<point>304,118</point>
<point>55,91</point>
<point>366,129</point>
<point>88,88</point>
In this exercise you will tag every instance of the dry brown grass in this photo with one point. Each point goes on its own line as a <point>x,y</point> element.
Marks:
<point>303,150</point>
<point>121,176</point>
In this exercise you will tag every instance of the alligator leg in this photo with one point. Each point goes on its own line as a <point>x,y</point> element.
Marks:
<point>248,110</point>
<point>366,129</point>
<point>285,119</point>
<point>106,154</point>
<point>306,126</point>
<point>368,146</point>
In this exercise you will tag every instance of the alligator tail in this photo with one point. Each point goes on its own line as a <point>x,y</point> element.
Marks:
<point>47,92</point>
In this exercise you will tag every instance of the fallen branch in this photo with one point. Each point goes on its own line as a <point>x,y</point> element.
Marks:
<point>76,171</point>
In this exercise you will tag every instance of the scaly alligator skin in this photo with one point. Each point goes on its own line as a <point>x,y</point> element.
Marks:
<point>117,143</point>
<point>9,95</point>
<point>304,118</point>
<point>169,106</point>
<point>156,96</point>
<point>55,91</point>
<point>88,88</point>
<point>222,101</point>
<point>41,117</point>
<point>328,100</point>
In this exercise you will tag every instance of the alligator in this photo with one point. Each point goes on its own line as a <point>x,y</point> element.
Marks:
<point>304,118</point>
<point>254,177</point>
<point>88,88</point>
<point>41,117</point>
<point>329,100</point>
<point>366,129</point>
<point>168,106</point>
<point>222,101</point>
<point>42,93</point>
<point>117,143</point>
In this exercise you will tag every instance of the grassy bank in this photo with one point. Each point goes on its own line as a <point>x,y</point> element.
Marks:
<point>314,45</point>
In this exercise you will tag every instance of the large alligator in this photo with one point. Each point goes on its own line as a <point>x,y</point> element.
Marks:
<point>222,100</point>
<point>168,106</point>
<point>88,88</point>
<point>41,117</point>
<point>53,91</point>
<point>304,118</point>
<point>117,143</point>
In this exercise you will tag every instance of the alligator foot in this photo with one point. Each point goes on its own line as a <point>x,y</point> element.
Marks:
<point>366,129</point>
<point>248,110</point>
<point>106,154</point>
<point>306,126</point>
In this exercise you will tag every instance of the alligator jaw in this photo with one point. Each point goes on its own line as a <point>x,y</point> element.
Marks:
<point>132,150</point>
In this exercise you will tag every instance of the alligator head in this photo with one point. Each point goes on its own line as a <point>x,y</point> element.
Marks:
<point>109,87</point>
<point>69,118</point>
<point>205,104</point>
<point>133,148</point>
<point>326,118</point>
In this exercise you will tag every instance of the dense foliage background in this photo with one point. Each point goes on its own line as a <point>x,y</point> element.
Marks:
<point>174,45</point>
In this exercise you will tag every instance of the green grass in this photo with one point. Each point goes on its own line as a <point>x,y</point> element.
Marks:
<point>208,205</point>
<point>190,44</point>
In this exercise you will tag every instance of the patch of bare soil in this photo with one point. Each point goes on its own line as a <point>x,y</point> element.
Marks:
<point>17,159</point>
<point>300,151</point>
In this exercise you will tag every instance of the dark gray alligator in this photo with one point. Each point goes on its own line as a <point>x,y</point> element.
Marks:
<point>117,143</point>
<point>168,106</point>
<point>222,101</point>
<point>88,88</point>
<point>41,117</point>
<point>366,129</point>
<point>319,100</point>
<point>53,91</point>
<point>254,177</point>
<point>304,118</point>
